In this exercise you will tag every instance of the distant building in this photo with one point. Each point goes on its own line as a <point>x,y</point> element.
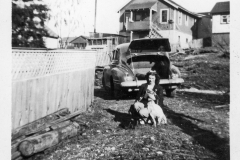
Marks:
<point>221,24</point>
<point>52,39</point>
<point>79,42</point>
<point>158,18</point>
<point>204,28</point>
<point>104,41</point>
<point>66,42</point>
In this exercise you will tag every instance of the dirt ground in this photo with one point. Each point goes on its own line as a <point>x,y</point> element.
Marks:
<point>195,129</point>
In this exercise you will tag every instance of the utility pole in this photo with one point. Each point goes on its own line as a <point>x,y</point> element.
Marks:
<point>95,16</point>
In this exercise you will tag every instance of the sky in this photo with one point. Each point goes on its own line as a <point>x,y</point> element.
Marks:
<point>108,16</point>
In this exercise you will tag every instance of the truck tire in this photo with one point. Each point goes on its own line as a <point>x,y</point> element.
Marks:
<point>170,92</point>
<point>115,93</point>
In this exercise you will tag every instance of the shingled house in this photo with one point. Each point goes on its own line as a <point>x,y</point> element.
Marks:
<point>158,18</point>
<point>66,42</point>
<point>221,23</point>
<point>79,42</point>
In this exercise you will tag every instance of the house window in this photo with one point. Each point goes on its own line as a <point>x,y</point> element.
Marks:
<point>89,42</point>
<point>164,15</point>
<point>104,41</point>
<point>138,17</point>
<point>113,41</point>
<point>94,42</point>
<point>225,19</point>
<point>179,18</point>
<point>186,40</point>
<point>99,42</point>
<point>186,20</point>
<point>127,16</point>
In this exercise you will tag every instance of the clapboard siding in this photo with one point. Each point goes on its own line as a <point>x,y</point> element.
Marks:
<point>52,84</point>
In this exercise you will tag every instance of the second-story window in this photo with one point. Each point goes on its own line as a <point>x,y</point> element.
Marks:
<point>164,15</point>
<point>113,41</point>
<point>104,41</point>
<point>138,16</point>
<point>99,42</point>
<point>127,16</point>
<point>89,42</point>
<point>225,19</point>
<point>179,18</point>
<point>186,20</point>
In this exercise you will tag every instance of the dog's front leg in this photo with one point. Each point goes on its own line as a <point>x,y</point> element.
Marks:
<point>153,119</point>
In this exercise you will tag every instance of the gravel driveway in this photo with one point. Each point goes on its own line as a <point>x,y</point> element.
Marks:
<point>195,130</point>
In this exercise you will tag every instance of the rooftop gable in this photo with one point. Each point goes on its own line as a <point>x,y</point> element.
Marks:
<point>80,39</point>
<point>68,39</point>
<point>175,5</point>
<point>139,4</point>
<point>50,33</point>
<point>221,7</point>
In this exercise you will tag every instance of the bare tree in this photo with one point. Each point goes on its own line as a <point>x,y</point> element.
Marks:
<point>65,14</point>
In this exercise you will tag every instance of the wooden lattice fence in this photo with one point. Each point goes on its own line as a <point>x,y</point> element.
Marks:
<point>46,81</point>
<point>103,58</point>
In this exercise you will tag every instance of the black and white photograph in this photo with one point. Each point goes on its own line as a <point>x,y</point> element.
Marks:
<point>120,80</point>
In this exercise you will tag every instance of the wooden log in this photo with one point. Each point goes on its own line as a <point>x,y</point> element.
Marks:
<point>15,155</point>
<point>38,143</point>
<point>60,125</point>
<point>70,116</point>
<point>18,140</point>
<point>40,123</point>
<point>19,158</point>
<point>223,106</point>
<point>194,90</point>
<point>14,147</point>
<point>68,131</point>
<point>15,144</point>
<point>41,142</point>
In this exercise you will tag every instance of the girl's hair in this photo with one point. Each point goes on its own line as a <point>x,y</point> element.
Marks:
<point>153,73</point>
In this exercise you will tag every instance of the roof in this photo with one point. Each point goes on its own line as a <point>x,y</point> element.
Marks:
<point>137,4</point>
<point>50,33</point>
<point>140,4</point>
<point>80,39</point>
<point>204,14</point>
<point>221,7</point>
<point>68,39</point>
<point>174,4</point>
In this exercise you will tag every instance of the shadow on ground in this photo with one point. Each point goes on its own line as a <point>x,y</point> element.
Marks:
<point>101,93</point>
<point>205,138</point>
<point>123,118</point>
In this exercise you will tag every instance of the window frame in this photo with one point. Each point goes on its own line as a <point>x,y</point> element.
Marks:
<point>186,20</point>
<point>161,18</point>
<point>179,16</point>
<point>138,14</point>
<point>227,19</point>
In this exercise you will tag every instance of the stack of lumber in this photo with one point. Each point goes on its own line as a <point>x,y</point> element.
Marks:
<point>43,133</point>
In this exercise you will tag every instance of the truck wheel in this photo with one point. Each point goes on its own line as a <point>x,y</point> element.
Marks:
<point>171,92</point>
<point>115,93</point>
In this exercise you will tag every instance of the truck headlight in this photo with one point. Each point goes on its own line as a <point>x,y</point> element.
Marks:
<point>127,77</point>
